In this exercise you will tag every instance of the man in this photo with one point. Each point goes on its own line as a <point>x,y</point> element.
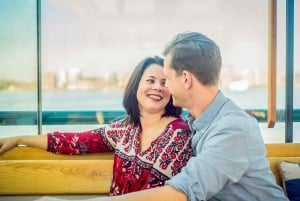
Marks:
<point>229,162</point>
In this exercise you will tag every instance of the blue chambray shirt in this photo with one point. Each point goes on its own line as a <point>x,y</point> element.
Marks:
<point>229,161</point>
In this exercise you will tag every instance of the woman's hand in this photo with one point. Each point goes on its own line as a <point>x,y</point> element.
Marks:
<point>38,141</point>
<point>7,144</point>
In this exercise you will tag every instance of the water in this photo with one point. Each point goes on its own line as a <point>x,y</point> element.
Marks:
<point>112,99</point>
<point>62,100</point>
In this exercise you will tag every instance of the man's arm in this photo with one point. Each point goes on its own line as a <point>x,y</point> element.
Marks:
<point>155,194</point>
<point>165,193</point>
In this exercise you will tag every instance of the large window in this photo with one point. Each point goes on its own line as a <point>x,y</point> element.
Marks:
<point>89,48</point>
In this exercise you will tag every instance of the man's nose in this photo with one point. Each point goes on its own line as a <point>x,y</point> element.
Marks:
<point>166,84</point>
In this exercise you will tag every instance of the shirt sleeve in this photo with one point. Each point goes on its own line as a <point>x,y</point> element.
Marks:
<point>221,159</point>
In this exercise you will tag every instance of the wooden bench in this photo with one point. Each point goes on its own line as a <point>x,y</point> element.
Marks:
<point>279,152</point>
<point>31,171</point>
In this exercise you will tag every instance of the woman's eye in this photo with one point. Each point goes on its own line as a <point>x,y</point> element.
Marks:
<point>150,81</point>
<point>163,83</point>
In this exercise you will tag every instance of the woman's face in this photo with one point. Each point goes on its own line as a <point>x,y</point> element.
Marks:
<point>152,94</point>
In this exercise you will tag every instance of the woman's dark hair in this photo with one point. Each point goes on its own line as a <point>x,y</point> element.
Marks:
<point>130,101</point>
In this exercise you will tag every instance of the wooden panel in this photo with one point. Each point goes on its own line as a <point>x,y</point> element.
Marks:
<point>55,176</point>
<point>26,170</point>
<point>283,150</point>
<point>272,38</point>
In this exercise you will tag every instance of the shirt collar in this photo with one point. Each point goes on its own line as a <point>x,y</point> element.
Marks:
<point>202,122</point>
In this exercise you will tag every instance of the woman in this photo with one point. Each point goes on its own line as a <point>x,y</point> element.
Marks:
<point>151,144</point>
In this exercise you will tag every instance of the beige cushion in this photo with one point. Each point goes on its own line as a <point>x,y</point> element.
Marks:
<point>290,175</point>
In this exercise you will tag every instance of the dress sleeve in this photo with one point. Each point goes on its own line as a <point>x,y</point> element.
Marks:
<point>175,149</point>
<point>102,139</point>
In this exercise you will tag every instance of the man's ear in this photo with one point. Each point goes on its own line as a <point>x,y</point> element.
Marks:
<point>187,76</point>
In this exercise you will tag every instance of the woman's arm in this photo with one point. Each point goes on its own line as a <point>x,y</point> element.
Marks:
<point>38,141</point>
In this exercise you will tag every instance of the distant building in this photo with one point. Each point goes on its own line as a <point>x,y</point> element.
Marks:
<point>48,81</point>
<point>61,79</point>
<point>73,75</point>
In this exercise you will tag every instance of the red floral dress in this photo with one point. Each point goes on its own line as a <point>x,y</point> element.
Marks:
<point>133,170</point>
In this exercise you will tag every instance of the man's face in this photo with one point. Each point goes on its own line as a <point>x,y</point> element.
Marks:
<point>173,81</point>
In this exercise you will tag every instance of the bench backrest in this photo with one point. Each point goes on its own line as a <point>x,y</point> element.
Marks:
<point>25,170</point>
